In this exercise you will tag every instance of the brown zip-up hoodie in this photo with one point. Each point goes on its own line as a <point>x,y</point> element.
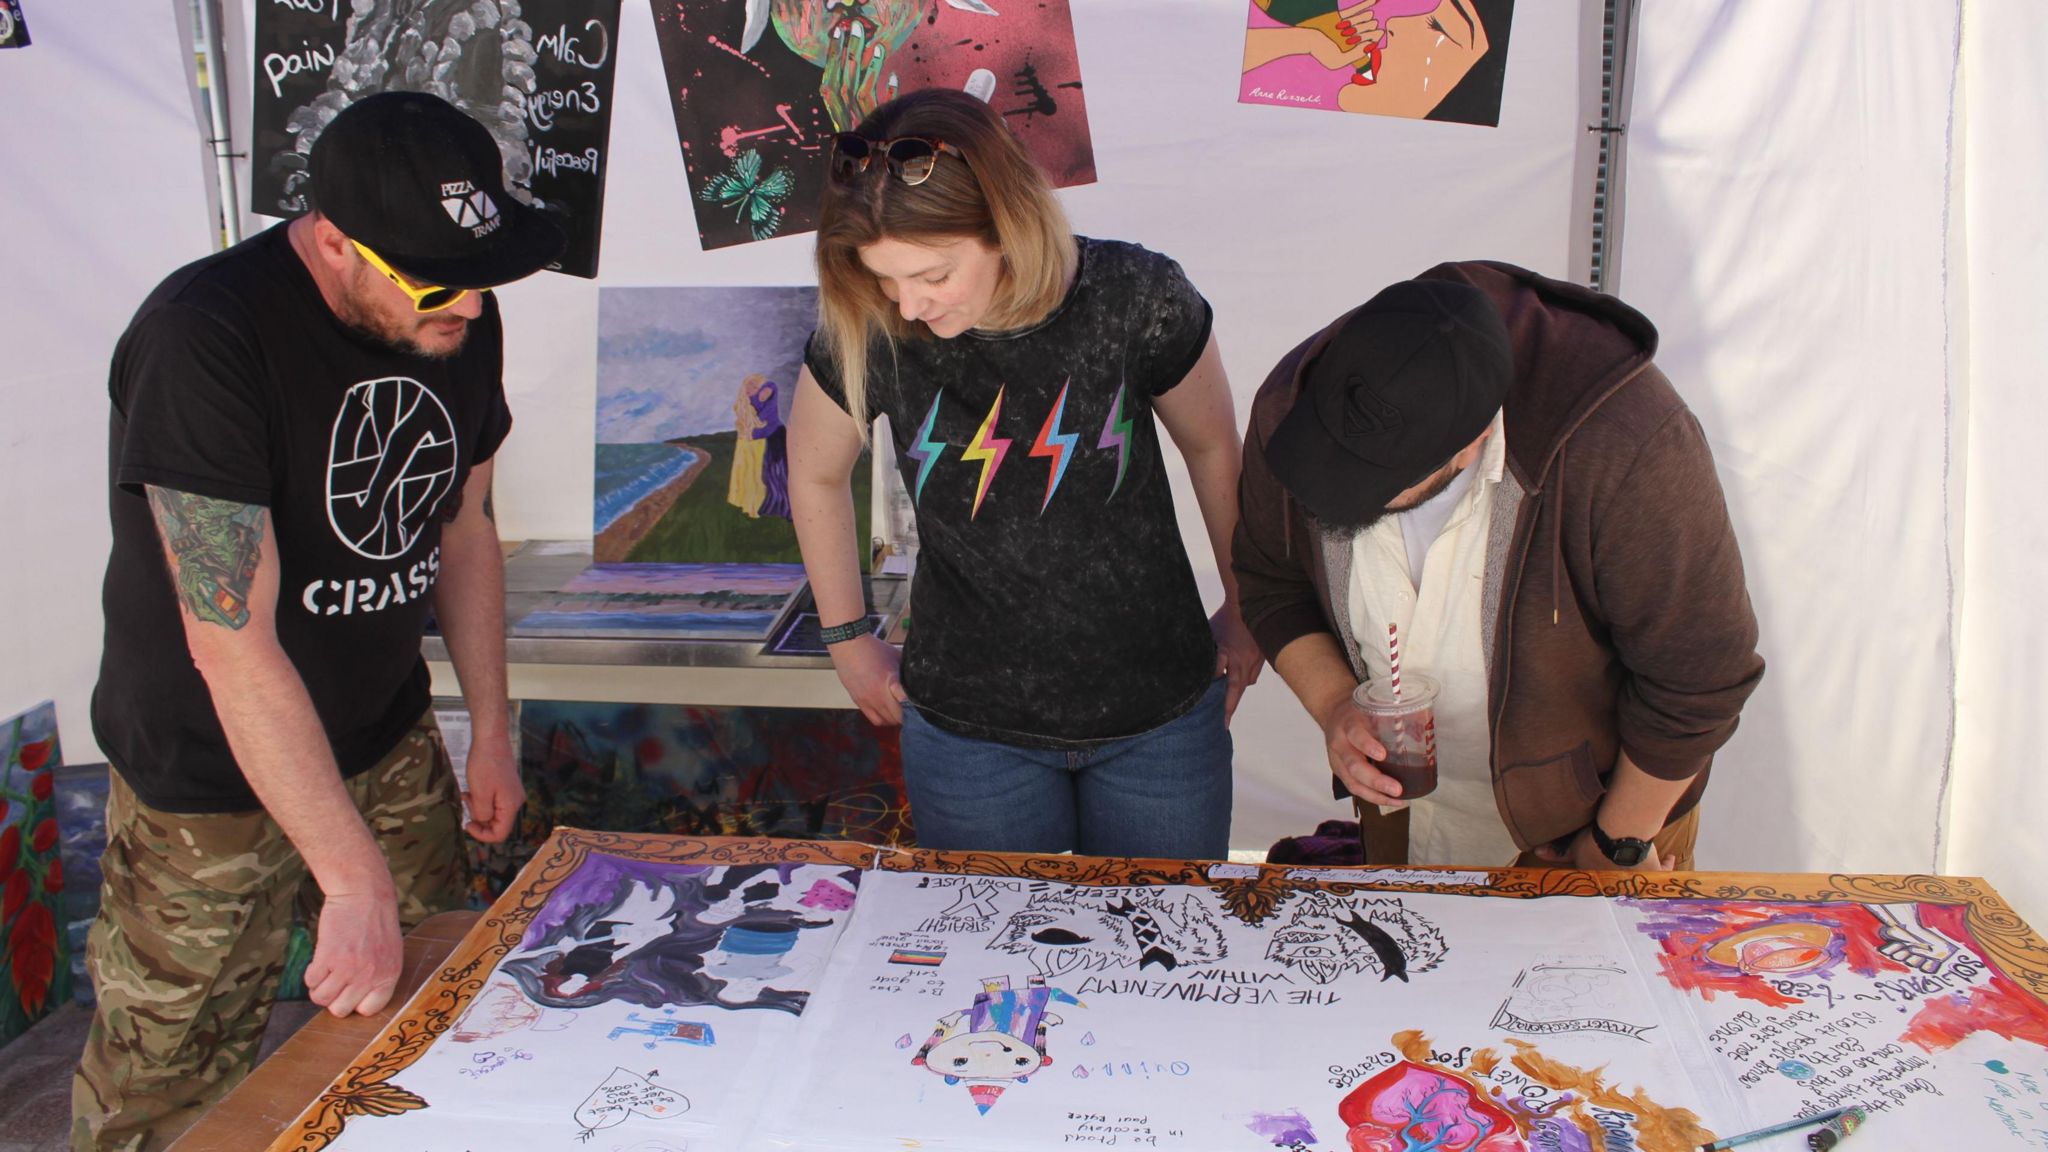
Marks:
<point>1618,614</point>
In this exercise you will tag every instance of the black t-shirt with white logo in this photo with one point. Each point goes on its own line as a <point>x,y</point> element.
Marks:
<point>1053,604</point>
<point>235,381</point>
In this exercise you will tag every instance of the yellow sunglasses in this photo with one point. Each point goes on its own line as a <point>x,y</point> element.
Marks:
<point>425,297</point>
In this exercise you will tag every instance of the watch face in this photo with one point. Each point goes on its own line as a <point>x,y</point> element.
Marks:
<point>1629,853</point>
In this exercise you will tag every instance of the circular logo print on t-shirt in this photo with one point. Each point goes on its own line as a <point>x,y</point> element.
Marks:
<point>392,460</point>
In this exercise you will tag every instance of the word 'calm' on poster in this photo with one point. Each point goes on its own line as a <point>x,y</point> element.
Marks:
<point>1423,59</point>
<point>537,73</point>
<point>760,88</point>
<point>694,387</point>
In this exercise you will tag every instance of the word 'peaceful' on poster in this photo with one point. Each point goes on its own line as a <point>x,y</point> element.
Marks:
<point>536,73</point>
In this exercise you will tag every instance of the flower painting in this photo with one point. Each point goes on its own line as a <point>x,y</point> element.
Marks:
<point>34,972</point>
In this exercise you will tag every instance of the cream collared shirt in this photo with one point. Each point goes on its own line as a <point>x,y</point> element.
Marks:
<point>1438,619</point>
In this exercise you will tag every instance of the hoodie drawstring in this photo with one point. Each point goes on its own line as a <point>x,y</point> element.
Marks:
<point>1557,538</point>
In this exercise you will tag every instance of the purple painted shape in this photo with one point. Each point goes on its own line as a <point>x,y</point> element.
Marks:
<point>1555,1135</point>
<point>1282,1128</point>
<point>593,882</point>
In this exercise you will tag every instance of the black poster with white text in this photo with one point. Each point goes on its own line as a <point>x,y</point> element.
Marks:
<point>536,73</point>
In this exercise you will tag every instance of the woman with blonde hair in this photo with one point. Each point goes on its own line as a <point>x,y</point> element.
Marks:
<point>1063,689</point>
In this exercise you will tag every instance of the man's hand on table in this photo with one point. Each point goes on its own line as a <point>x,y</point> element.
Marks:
<point>358,953</point>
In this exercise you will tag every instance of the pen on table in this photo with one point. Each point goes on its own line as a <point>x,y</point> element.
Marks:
<point>1850,1117</point>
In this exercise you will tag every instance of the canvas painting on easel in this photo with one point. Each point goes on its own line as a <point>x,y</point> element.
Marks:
<point>694,387</point>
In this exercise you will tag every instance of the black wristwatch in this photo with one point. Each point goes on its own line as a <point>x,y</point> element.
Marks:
<point>1626,851</point>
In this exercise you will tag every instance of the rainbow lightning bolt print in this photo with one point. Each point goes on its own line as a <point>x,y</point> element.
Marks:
<point>927,450</point>
<point>988,449</point>
<point>1056,444</point>
<point>1116,433</point>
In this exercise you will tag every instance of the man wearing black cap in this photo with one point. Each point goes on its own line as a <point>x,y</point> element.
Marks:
<point>1484,466</point>
<point>300,450</point>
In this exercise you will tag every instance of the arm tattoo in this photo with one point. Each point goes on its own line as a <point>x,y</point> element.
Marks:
<point>216,544</point>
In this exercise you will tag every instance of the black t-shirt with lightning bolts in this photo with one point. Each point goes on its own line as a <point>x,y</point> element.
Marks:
<point>235,381</point>
<point>1053,604</point>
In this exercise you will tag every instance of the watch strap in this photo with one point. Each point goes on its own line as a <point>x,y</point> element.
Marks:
<point>1627,851</point>
<point>851,630</point>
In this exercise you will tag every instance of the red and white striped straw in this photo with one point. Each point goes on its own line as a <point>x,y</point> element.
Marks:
<point>1394,659</point>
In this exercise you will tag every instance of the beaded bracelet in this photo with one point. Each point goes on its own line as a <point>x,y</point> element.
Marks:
<point>851,630</point>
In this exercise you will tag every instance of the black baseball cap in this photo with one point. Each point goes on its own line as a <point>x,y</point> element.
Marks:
<point>417,181</point>
<point>1411,378</point>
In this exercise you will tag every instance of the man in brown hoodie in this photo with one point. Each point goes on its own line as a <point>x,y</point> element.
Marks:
<point>1503,441</point>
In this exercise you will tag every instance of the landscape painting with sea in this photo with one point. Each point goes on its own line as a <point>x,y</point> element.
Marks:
<point>694,387</point>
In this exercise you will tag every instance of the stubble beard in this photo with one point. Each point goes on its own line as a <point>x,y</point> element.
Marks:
<point>365,322</point>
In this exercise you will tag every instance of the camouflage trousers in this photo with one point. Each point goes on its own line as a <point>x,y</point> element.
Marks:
<point>190,941</point>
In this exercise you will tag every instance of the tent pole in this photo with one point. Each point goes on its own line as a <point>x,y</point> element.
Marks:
<point>213,75</point>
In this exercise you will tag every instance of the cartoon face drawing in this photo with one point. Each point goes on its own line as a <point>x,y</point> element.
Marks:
<point>984,1056</point>
<point>1078,929</point>
<point>1000,1040</point>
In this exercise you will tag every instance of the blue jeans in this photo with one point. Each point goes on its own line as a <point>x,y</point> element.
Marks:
<point>1161,793</point>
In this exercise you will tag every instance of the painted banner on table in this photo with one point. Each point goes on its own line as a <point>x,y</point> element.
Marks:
<point>694,387</point>
<point>1005,1003</point>
<point>537,73</point>
<point>1422,59</point>
<point>760,88</point>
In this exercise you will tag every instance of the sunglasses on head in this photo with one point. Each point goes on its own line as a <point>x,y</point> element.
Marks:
<point>425,297</point>
<point>911,158</point>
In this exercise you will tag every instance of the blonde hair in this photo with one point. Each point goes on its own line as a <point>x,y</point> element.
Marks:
<point>998,196</point>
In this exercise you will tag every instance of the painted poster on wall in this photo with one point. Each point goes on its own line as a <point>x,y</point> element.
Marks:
<point>760,87</point>
<point>694,387</point>
<point>13,27</point>
<point>35,974</point>
<point>1422,59</point>
<point>537,73</point>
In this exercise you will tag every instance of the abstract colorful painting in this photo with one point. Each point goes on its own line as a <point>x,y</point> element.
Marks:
<point>760,88</point>
<point>1422,59</point>
<point>693,393</point>
<point>802,773</point>
<point>668,602</point>
<point>536,73</point>
<point>35,970</point>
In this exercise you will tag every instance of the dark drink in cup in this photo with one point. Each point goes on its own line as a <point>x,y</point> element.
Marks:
<point>1405,724</point>
<point>1417,774</point>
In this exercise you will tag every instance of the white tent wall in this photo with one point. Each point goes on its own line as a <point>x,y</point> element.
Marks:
<point>105,193</point>
<point>1789,173</point>
<point>2000,806</point>
<point>1285,218</point>
<point>1788,180</point>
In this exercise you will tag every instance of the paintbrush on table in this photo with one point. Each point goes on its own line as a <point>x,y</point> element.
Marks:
<point>1834,1127</point>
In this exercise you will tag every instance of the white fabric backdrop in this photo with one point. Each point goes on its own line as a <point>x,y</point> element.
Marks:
<point>105,193</point>
<point>2000,807</point>
<point>1788,181</point>
<point>1284,218</point>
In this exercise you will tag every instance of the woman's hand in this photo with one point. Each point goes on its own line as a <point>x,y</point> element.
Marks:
<point>1237,655</point>
<point>868,665</point>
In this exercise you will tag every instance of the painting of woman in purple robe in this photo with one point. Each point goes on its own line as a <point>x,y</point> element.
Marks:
<point>769,428</point>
